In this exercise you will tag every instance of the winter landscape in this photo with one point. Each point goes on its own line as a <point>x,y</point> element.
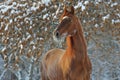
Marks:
<point>26,28</point>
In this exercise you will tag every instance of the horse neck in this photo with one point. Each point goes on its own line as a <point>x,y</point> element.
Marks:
<point>76,45</point>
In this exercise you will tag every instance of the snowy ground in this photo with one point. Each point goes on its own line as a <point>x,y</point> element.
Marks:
<point>26,28</point>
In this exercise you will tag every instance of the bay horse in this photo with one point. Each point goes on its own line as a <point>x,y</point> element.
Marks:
<point>72,63</point>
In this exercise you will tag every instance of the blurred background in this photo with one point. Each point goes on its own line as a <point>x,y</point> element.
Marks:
<point>26,28</point>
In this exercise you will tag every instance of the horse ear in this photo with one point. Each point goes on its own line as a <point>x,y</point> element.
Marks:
<point>72,10</point>
<point>65,9</point>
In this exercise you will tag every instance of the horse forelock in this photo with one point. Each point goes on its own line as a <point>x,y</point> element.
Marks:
<point>65,17</point>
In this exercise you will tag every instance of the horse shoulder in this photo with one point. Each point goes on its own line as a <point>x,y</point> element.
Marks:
<point>65,63</point>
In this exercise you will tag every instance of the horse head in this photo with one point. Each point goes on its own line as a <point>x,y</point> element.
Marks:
<point>67,24</point>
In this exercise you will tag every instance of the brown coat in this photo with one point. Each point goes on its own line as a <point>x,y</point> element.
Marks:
<point>72,63</point>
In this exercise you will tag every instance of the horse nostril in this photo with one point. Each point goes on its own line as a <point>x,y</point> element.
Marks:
<point>57,34</point>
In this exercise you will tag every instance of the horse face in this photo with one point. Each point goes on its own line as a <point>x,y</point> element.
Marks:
<point>66,26</point>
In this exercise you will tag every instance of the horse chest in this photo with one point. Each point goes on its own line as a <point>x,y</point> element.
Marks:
<point>74,72</point>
